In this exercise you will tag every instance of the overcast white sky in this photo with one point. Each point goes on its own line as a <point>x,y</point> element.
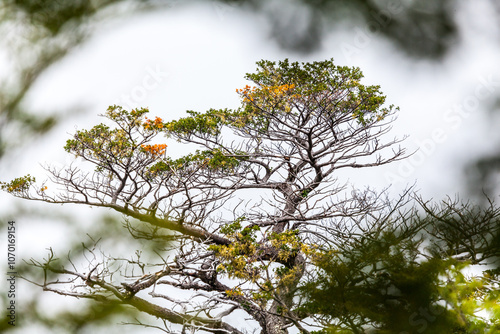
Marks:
<point>194,57</point>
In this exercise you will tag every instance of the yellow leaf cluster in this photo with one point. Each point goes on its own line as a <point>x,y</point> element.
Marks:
<point>252,93</point>
<point>235,292</point>
<point>279,90</point>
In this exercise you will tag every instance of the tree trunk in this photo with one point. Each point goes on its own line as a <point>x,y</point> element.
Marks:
<point>274,325</point>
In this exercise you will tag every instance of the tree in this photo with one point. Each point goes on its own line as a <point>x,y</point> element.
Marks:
<point>255,219</point>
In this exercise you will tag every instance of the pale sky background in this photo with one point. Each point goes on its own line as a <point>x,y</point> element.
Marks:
<point>194,57</point>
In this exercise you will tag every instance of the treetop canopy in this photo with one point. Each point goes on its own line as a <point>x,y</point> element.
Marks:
<point>292,95</point>
<point>258,221</point>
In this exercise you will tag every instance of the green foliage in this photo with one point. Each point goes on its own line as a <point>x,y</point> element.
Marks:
<point>288,244</point>
<point>289,93</point>
<point>213,160</point>
<point>208,123</point>
<point>242,259</point>
<point>336,88</point>
<point>101,143</point>
<point>108,146</point>
<point>117,151</point>
<point>19,185</point>
<point>381,282</point>
<point>467,295</point>
<point>237,258</point>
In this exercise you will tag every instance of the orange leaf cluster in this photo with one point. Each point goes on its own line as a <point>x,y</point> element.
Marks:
<point>247,91</point>
<point>156,149</point>
<point>156,124</point>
